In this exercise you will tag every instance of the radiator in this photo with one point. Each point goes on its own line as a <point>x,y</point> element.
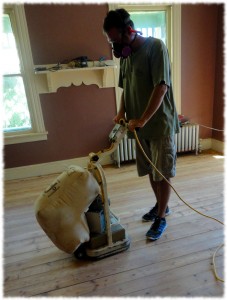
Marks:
<point>187,140</point>
<point>126,151</point>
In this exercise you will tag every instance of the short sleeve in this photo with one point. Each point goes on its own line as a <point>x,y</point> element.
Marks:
<point>159,63</point>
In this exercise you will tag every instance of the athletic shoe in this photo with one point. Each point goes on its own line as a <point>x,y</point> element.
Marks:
<point>157,229</point>
<point>152,214</point>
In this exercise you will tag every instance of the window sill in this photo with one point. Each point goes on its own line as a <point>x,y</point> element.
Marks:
<point>25,138</point>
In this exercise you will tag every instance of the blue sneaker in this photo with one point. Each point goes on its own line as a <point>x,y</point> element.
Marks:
<point>157,229</point>
<point>152,214</point>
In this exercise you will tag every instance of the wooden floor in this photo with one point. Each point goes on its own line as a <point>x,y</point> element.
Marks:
<point>179,264</point>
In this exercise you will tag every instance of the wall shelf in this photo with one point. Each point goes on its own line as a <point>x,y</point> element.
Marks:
<point>48,81</point>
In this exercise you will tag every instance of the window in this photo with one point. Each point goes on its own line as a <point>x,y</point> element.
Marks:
<point>16,114</point>
<point>163,22</point>
<point>151,23</point>
<point>22,115</point>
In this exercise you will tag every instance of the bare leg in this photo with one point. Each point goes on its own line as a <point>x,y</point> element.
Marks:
<point>154,186</point>
<point>162,192</point>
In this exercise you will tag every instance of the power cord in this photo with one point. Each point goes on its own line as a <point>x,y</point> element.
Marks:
<point>211,128</point>
<point>215,272</point>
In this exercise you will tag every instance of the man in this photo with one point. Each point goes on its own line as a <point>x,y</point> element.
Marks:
<point>147,103</point>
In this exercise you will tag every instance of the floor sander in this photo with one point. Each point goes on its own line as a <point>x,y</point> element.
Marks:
<point>61,219</point>
<point>107,235</point>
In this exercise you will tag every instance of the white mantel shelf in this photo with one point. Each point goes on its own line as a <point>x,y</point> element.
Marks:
<point>49,81</point>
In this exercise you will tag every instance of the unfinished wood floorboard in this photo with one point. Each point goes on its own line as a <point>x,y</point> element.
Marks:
<point>178,264</point>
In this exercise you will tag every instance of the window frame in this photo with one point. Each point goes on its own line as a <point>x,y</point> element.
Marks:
<point>20,30</point>
<point>173,44</point>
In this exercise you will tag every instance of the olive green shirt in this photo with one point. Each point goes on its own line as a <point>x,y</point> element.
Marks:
<point>139,74</point>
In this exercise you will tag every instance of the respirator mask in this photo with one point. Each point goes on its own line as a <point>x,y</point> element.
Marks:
<point>120,50</point>
<point>124,51</point>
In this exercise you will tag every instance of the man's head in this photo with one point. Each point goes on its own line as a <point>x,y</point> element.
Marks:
<point>119,29</point>
<point>119,19</point>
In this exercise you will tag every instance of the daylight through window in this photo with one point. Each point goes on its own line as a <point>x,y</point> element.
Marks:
<point>16,114</point>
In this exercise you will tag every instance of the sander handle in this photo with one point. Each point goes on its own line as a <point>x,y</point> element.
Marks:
<point>115,137</point>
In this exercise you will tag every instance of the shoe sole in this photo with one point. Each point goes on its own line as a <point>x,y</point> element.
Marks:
<point>153,239</point>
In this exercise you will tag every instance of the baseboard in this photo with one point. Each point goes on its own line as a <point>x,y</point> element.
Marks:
<point>206,144</point>
<point>218,146</point>
<point>48,168</point>
<point>60,166</point>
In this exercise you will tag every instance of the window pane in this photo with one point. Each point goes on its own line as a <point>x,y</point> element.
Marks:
<point>10,61</point>
<point>16,114</point>
<point>153,21</point>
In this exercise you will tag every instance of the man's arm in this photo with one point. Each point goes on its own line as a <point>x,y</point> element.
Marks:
<point>153,105</point>
<point>121,112</point>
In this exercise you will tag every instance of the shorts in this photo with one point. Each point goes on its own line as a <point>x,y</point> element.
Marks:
<point>162,153</point>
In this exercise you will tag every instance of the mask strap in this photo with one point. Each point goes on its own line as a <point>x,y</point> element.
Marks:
<point>133,39</point>
<point>136,31</point>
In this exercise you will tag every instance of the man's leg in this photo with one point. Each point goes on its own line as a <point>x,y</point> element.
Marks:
<point>162,153</point>
<point>154,186</point>
<point>162,192</point>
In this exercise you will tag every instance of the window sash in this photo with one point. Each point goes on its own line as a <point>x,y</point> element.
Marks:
<point>19,25</point>
<point>16,113</point>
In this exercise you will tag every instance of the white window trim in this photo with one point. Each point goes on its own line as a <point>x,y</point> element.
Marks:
<point>38,131</point>
<point>175,51</point>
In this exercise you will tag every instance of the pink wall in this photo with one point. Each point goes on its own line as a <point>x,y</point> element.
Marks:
<point>199,47</point>
<point>218,106</point>
<point>79,119</point>
<point>59,32</point>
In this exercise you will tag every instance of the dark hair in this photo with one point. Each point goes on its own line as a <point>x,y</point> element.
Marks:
<point>118,18</point>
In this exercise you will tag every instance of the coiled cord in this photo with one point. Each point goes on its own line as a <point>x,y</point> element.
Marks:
<point>138,142</point>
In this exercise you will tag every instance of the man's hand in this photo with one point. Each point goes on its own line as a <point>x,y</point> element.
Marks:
<point>135,123</point>
<point>118,117</point>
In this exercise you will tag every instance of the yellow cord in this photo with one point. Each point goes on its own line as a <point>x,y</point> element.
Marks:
<point>215,272</point>
<point>137,139</point>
